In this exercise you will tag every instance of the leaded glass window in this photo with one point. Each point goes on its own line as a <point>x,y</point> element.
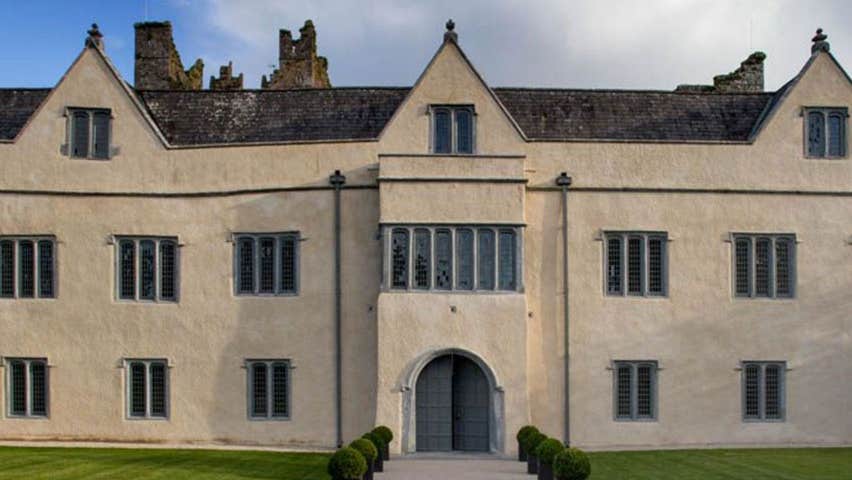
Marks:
<point>453,129</point>
<point>464,131</point>
<point>443,260</point>
<point>147,269</point>
<point>826,132</point>
<point>147,389</point>
<point>635,390</point>
<point>764,391</point>
<point>27,381</point>
<point>508,261</point>
<point>764,265</point>
<point>464,247</point>
<point>614,279</point>
<point>27,267</point>
<point>399,258</point>
<point>266,264</point>
<point>422,258</point>
<point>443,131</point>
<point>269,389</point>
<point>487,252</point>
<point>635,263</point>
<point>89,133</point>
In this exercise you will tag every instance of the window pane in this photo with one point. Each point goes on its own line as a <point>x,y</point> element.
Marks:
<point>752,391</point>
<point>258,406</point>
<point>443,131</point>
<point>508,276</point>
<point>655,266</point>
<point>741,264</point>
<point>246,265</point>
<point>836,135</point>
<point>288,264</point>
<point>137,389</point>
<point>644,391</point>
<point>101,135</point>
<point>761,267</point>
<point>18,388</point>
<point>399,259</point>
<point>464,131</point>
<point>783,270</point>
<point>634,265</point>
<point>816,134</point>
<point>280,401</point>
<point>772,389</point>
<point>45,268</point>
<point>159,390</point>
<point>422,258</point>
<point>168,270</point>
<point>26,267</point>
<point>127,289</point>
<point>623,375</point>
<point>147,287</point>
<point>443,260</point>
<point>7,269</point>
<point>266,250</point>
<point>38,385</point>
<point>80,135</point>
<point>613,267</point>
<point>464,241</point>
<point>486,259</point>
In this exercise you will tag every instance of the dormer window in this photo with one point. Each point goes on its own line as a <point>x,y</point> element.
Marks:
<point>825,132</point>
<point>452,129</point>
<point>89,133</point>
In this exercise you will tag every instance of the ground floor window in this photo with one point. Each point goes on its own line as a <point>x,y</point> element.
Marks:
<point>27,392</point>
<point>763,391</point>
<point>269,389</point>
<point>147,389</point>
<point>635,390</point>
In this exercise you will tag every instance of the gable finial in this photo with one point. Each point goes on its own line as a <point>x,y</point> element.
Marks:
<point>95,38</point>
<point>820,43</point>
<point>450,35</point>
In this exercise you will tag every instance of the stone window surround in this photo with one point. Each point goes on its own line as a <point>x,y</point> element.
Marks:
<point>69,136</point>
<point>654,390</point>
<point>772,266</point>
<point>826,112</point>
<point>645,235</point>
<point>16,239</point>
<point>452,108</point>
<point>250,393</point>
<point>782,390</point>
<point>28,361</point>
<point>147,362</point>
<point>291,234</point>
<point>157,239</point>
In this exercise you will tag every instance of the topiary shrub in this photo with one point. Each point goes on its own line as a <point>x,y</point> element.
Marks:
<point>347,464</point>
<point>387,436</point>
<point>572,464</point>
<point>548,450</point>
<point>365,448</point>
<point>380,445</point>
<point>523,432</point>
<point>530,443</point>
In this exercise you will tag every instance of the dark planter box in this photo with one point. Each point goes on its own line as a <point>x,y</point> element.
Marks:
<point>369,474</point>
<point>532,464</point>
<point>386,453</point>
<point>545,471</point>
<point>380,465</point>
<point>522,455</point>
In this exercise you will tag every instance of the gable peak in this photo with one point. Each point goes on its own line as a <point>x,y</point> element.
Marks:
<point>820,43</point>
<point>95,38</point>
<point>450,35</point>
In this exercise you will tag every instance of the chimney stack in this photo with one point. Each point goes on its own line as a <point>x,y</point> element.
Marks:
<point>158,65</point>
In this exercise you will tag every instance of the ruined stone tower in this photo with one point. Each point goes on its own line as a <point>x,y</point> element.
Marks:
<point>298,63</point>
<point>158,65</point>
<point>226,80</point>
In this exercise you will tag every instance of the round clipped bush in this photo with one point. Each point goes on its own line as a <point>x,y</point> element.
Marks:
<point>524,431</point>
<point>532,440</point>
<point>377,440</point>
<point>347,464</point>
<point>365,448</point>
<point>548,450</point>
<point>572,464</point>
<point>385,433</point>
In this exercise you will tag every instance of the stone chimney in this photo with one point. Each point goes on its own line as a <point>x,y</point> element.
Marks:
<point>746,79</point>
<point>298,63</point>
<point>226,80</point>
<point>158,65</point>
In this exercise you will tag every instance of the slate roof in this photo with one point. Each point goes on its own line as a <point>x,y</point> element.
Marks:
<point>246,116</point>
<point>16,107</point>
<point>558,114</point>
<point>191,118</point>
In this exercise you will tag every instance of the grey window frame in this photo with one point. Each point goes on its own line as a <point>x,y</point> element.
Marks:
<point>167,387</point>
<point>90,112</point>
<point>270,363</point>
<point>644,270</point>
<point>137,272</point>
<point>761,397</point>
<point>28,387</point>
<point>476,229</point>
<point>634,402</point>
<point>773,238</point>
<point>16,267</point>
<point>826,113</point>
<point>278,291</point>
<point>452,109</point>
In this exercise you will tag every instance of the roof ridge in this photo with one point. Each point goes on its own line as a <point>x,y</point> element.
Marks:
<point>628,90</point>
<point>263,90</point>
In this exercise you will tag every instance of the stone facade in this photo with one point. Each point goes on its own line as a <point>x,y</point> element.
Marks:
<point>226,80</point>
<point>158,65</point>
<point>298,63</point>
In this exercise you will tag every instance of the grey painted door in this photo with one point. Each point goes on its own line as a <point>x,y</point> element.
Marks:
<point>434,410</point>
<point>470,407</point>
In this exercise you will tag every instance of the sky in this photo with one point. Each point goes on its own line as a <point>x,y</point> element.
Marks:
<point>636,44</point>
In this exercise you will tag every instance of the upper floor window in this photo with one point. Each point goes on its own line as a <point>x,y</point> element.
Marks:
<point>89,132</point>
<point>147,389</point>
<point>445,258</point>
<point>763,391</point>
<point>635,263</point>
<point>635,390</point>
<point>269,389</point>
<point>825,130</point>
<point>147,268</point>
<point>27,393</point>
<point>453,129</point>
<point>764,265</point>
<point>27,267</point>
<point>266,264</point>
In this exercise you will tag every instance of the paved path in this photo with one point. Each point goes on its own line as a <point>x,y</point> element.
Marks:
<point>462,467</point>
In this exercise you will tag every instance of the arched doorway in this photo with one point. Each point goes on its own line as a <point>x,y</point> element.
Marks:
<point>453,405</point>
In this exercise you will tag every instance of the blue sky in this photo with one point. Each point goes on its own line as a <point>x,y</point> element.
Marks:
<point>566,43</point>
